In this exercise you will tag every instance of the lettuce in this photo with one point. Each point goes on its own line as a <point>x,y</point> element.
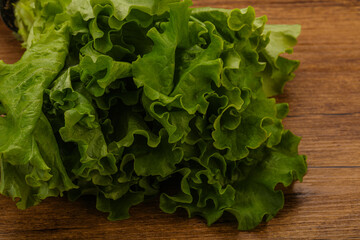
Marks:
<point>124,100</point>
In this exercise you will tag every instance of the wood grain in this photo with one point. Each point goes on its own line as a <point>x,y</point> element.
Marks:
<point>324,109</point>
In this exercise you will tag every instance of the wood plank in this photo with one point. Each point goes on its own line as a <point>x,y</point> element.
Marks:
<point>328,140</point>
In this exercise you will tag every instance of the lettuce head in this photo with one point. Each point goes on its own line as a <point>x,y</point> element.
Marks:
<point>125,100</point>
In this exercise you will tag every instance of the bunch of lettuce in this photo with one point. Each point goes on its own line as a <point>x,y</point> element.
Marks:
<point>126,100</point>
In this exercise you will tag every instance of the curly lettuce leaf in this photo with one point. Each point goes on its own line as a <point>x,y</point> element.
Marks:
<point>249,195</point>
<point>279,70</point>
<point>157,77</point>
<point>256,196</point>
<point>81,127</point>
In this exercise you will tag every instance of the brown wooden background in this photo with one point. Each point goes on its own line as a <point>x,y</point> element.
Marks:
<point>324,103</point>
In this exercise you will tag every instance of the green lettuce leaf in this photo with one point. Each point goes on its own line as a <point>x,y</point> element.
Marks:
<point>279,70</point>
<point>31,170</point>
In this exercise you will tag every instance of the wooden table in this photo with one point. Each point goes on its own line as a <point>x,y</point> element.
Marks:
<point>324,103</point>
